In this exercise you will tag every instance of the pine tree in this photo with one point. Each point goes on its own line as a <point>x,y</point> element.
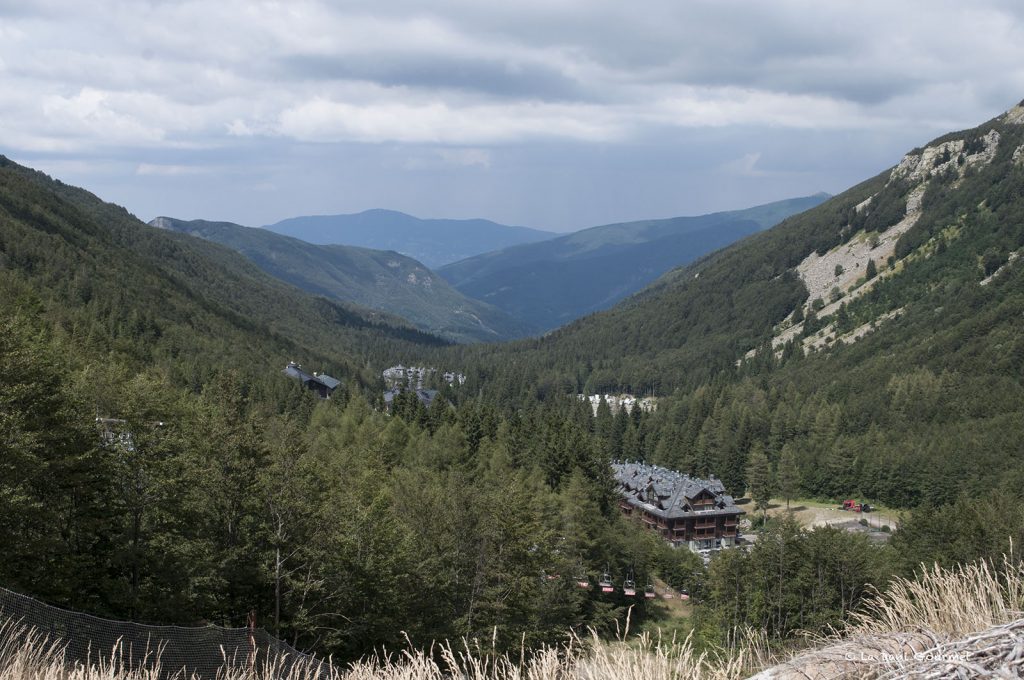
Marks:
<point>759,478</point>
<point>788,475</point>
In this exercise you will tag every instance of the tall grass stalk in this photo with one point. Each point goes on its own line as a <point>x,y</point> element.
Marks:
<point>27,656</point>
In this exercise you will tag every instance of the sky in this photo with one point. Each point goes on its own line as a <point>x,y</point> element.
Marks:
<point>554,114</point>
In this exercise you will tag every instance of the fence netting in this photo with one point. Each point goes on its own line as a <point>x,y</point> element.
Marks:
<point>195,651</point>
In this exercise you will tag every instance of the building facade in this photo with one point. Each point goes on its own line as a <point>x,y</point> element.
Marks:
<point>686,511</point>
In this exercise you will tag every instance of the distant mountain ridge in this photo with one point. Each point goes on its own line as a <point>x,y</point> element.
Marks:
<point>434,242</point>
<point>554,282</point>
<point>381,280</point>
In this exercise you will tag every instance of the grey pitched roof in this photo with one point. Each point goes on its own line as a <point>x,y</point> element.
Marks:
<point>293,370</point>
<point>332,383</point>
<point>669,493</point>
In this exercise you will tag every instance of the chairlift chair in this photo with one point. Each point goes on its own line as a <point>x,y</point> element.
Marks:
<point>649,592</point>
<point>606,583</point>
<point>581,578</point>
<point>629,586</point>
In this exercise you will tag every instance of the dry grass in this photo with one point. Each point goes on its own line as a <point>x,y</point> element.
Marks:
<point>956,601</point>
<point>27,656</point>
<point>965,622</point>
<point>961,622</point>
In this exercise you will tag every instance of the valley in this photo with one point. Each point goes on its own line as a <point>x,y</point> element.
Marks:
<point>531,425</point>
<point>722,434</point>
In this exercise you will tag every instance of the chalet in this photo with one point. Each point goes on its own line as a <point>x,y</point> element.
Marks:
<point>321,383</point>
<point>685,510</point>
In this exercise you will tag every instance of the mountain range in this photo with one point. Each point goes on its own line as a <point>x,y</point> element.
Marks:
<point>877,337</point>
<point>944,214</point>
<point>870,347</point>
<point>382,280</point>
<point>550,283</point>
<point>433,242</point>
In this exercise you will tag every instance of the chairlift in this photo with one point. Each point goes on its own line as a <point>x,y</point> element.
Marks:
<point>606,583</point>
<point>684,594</point>
<point>581,578</point>
<point>629,586</point>
<point>668,594</point>
<point>649,592</point>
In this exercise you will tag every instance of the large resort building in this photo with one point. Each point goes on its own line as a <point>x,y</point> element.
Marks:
<point>685,510</point>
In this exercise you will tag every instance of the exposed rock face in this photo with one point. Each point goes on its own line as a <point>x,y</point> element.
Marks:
<point>819,271</point>
<point>844,266</point>
<point>995,652</point>
<point>1018,155</point>
<point>935,160</point>
<point>1015,116</point>
<point>852,659</point>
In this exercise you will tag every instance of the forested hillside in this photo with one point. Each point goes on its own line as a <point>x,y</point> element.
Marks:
<point>115,289</point>
<point>156,465</point>
<point>557,281</point>
<point>378,279</point>
<point>212,485</point>
<point>910,391</point>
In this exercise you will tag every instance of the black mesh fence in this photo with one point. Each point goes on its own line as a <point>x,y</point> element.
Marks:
<point>196,651</point>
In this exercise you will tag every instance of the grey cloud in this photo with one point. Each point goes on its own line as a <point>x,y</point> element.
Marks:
<point>439,108</point>
<point>485,75</point>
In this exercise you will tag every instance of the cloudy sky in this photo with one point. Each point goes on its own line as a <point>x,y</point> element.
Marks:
<point>556,114</point>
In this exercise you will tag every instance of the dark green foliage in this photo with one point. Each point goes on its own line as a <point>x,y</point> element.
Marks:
<point>760,483</point>
<point>969,528</point>
<point>110,285</point>
<point>214,485</point>
<point>792,580</point>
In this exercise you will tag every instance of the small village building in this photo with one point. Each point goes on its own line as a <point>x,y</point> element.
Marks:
<point>320,383</point>
<point>686,511</point>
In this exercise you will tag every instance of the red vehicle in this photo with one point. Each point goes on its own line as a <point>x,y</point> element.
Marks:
<point>851,505</point>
